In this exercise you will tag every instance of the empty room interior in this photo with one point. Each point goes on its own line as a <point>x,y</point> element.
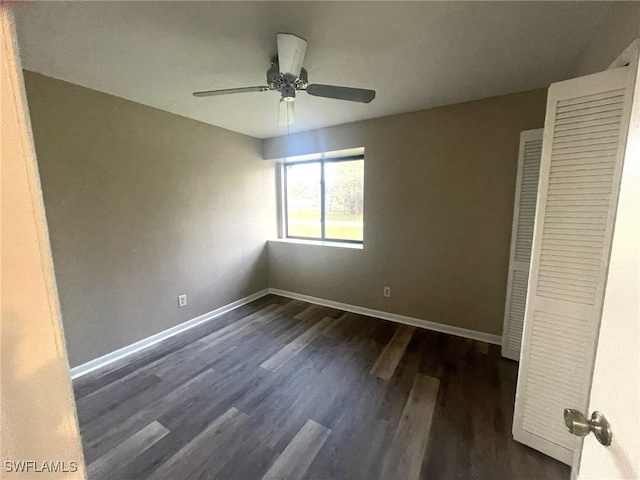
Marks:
<point>320,240</point>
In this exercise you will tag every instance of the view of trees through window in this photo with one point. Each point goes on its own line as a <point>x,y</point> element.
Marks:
<point>342,214</point>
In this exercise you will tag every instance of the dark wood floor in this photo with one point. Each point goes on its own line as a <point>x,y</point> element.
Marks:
<point>283,389</point>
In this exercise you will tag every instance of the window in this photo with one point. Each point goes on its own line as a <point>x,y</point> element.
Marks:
<point>324,199</point>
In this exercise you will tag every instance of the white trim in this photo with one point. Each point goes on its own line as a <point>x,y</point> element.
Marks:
<point>394,317</point>
<point>319,243</point>
<point>347,152</point>
<point>100,362</point>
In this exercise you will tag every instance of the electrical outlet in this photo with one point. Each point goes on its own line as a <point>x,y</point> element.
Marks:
<point>386,291</point>
<point>182,300</point>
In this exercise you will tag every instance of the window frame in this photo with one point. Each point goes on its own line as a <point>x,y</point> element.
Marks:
<point>322,161</point>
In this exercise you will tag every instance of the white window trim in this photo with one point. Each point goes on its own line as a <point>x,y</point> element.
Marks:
<point>281,200</point>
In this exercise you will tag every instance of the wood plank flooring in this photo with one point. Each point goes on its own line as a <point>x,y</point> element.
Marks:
<point>296,458</point>
<point>281,389</point>
<point>409,443</point>
<point>390,357</point>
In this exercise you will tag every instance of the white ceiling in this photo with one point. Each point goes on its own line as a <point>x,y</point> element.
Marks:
<point>416,55</point>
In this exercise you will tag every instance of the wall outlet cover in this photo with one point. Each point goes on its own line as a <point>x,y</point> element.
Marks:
<point>182,300</point>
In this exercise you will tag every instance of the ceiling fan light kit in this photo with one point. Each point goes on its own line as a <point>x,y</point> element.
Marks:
<point>286,75</point>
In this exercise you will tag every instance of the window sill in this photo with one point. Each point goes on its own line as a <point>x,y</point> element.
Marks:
<point>319,243</point>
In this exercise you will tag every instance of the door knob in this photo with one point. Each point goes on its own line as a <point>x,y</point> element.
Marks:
<point>579,425</point>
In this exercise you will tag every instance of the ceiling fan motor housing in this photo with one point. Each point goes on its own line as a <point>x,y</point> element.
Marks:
<point>285,83</point>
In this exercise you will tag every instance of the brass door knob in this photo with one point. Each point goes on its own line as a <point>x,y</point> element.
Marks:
<point>579,425</point>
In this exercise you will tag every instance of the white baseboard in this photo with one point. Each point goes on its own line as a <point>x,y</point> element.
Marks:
<point>416,322</point>
<point>99,362</point>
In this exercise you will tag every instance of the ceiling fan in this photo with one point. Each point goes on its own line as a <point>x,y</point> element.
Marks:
<point>287,76</point>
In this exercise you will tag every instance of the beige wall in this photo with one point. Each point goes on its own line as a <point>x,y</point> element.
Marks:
<point>37,409</point>
<point>439,190</point>
<point>619,28</point>
<point>142,206</point>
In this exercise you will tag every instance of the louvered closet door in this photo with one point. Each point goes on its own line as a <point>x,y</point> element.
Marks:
<point>524,212</point>
<point>584,136</point>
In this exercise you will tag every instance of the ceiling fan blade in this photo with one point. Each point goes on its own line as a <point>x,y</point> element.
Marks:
<point>285,115</point>
<point>291,50</point>
<point>226,91</point>
<point>342,93</point>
